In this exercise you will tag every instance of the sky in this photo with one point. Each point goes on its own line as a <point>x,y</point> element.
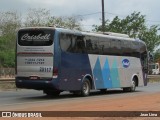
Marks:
<point>90,10</point>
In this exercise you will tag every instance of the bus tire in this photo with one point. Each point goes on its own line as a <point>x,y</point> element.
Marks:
<point>86,86</point>
<point>132,88</point>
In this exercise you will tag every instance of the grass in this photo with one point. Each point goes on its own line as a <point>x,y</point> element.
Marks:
<point>152,80</point>
<point>7,86</point>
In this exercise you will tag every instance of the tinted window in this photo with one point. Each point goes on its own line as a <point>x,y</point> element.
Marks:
<point>35,37</point>
<point>67,42</point>
<point>92,45</point>
<point>99,45</point>
<point>72,43</point>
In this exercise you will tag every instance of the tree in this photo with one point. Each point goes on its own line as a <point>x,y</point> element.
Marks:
<point>134,25</point>
<point>9,23</point>
<point>130,25</point>
<point>150,37</point>
<point>66,22</point>
<point>42,17</point>
<point>37,17</point>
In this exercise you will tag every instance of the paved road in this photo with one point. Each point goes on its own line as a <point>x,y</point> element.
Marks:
<point>10,100</point>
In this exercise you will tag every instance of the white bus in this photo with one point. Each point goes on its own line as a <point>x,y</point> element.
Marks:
<point>56,60</point>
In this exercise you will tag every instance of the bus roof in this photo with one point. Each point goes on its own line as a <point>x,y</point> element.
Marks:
<point>99,34</point>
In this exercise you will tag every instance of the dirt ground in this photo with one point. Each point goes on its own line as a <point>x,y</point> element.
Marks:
<point>147,102</point>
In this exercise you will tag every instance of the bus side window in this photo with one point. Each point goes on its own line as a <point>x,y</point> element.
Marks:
<point>66,42</point>
<point>89,44</point>
<point>79,46</point>
<point>93,45</point>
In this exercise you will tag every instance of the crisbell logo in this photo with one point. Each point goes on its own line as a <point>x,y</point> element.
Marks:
<point>125,63</point>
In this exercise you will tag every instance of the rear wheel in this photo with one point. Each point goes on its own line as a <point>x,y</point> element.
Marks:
<point>85,90</point>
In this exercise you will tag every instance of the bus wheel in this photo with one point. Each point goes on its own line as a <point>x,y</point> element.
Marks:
<point>133,87</point>
<point>85,91</point>
<point>51,93</point>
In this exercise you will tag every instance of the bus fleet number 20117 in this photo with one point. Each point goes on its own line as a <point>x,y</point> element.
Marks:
<point>45,69</point>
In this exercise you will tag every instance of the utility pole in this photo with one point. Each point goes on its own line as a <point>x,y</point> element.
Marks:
<point>103,17</point>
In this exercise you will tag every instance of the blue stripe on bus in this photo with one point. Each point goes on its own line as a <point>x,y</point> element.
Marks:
<point>115,75</point>
<point>106,75</point>
<point>97,72</point>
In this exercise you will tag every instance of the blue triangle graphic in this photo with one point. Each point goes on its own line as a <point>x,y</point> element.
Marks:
<point>106,75</point>
<point>115,75</point>
<point>97,72</point>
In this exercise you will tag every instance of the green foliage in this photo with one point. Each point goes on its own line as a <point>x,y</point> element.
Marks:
<point>9,23</point>
<point>133,25</point>
<point>66,22</point>
<point>157,56</point>
<point>7,58</point>
<point>150,37</point>
<point>42,17</point>
<point>7,51</point>
<point>37,17</point>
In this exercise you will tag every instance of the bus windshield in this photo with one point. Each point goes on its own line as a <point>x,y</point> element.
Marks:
<point>35,37</point>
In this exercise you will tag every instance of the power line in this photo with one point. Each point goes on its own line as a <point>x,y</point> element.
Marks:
<point>88,14</point>
<point>99,13</point>
<point>153,21</point>
<point>115,14</point>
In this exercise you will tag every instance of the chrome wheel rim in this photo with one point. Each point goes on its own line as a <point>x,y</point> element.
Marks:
<point>133,85</point>
<point>85,88</point>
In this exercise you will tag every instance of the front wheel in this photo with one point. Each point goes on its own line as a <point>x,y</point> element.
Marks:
<point>132,88</point>
<point>85,90</point>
